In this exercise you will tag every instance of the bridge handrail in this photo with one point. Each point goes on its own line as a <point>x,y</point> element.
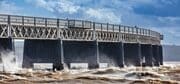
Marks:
<point>69,23</point>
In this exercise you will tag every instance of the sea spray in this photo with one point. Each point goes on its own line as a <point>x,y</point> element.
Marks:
<point>9,62</point>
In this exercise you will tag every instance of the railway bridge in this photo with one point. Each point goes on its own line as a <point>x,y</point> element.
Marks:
<point>67,41</point>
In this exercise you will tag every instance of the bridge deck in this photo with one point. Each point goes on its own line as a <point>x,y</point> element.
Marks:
<point>25,27</point>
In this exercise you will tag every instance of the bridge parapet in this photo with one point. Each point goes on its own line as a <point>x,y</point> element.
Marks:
<point>26,27</point>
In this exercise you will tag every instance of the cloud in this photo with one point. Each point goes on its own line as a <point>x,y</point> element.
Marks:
<point>8,8</point>
<point>171,34</point>
<point>68,6</point>
<point>60,6</point>
<point>103,15</point>
<point>47,5</point>
<point>162,8</point>
<point>169,19</point>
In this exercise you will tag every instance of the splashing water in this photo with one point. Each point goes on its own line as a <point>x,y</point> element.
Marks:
<point>9,62</point>
<point>109,75</point>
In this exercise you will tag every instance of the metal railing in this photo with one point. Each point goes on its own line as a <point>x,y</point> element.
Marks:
<point>68,23</point>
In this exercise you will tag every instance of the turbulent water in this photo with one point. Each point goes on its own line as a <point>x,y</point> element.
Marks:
<point>11,74</point>
<point>112,75</point>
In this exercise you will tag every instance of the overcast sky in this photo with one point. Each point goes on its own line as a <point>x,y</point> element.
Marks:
<point>159,15</point>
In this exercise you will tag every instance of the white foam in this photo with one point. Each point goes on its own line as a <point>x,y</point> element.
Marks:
<point>103,65</point>
<point>79,65</point>
<point>9,63</point>
<point>42,66</point>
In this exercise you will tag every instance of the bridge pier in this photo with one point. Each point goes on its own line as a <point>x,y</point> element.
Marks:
<point>111,53</point>
<point>156,56</point>
<point>147,54</point>
<point>161,54</point>
<point>81,52</point>
<point>132,54</point>
<point>42,51</point>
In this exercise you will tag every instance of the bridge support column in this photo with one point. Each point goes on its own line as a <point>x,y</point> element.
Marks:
<point>42,51</point>
<point>156,57</point>
<point>81,52</point>
<point>111,53</point>
<point>147,54</point>
<point>132,54</point>
<point>161,54</point>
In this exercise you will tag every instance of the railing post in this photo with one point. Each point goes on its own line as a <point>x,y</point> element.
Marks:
<point>124,29</point>
<point>128,29</point>
<point>9,26</point>
<point>119,28</point>
<point>136,30</point>
<point>67,22</point>
<point>143,31</point>
<point>90,25</point>
<point>34,21</point>
<point>94,31</point>
<point>22,20</point>
<point>57,23</point>
<point>101,28</point>
<point>146,32</point>
<point>45,22</point>
<point>58,30</point>
<point>9,20</point>
<point>113,28</point>
<point>149,32</point>
<point>120,37</point>
<point>107,26</point>
<point>132,30</point>
<point>82,24</point>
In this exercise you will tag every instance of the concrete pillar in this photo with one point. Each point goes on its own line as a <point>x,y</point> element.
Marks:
<point>132,54</point>
<point>42,51</point>
<point>111,53</point>
<point>97,55</point>
<point>146,51</point>
<point>156,58</point>
<point>161,54</point>
<point>81,52</point>
<point>122,53</point>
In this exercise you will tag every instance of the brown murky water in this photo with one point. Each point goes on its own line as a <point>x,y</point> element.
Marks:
<point>112,75</point>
